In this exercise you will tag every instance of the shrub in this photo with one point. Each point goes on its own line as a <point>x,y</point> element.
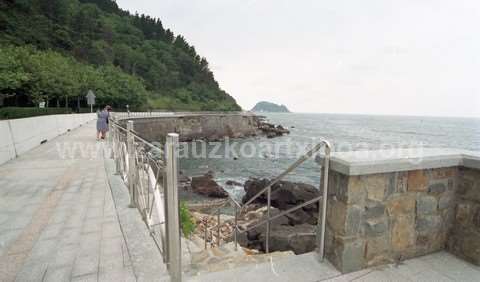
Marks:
<point>24,112</point>
<point>186,220</point>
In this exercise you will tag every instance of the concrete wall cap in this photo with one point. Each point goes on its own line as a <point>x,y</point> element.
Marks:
<point>384,161</point>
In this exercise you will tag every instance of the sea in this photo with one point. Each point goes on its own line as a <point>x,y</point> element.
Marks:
<point>260,157</point>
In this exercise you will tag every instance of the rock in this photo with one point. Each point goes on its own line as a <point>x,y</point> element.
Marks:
<point>446,200</point>
<point>271,131</point>
<point>463,213</point>
<point>183,178</point>
<point>403,233</point>
<point>352,254</point>
<point>205,185</point>
<point>437,188</point>
<point>376,185</point>
<point>375,247</point>
<point>233,183</point>
<point>426,204</point>
<point>299,239</point>
<point>284,194</point>
<point>300,216</point>
<point>429,224</point>
<point>374,209</point>
<point>375,227</point>
<point>271,135</point>
<point>476,218</point>
<point>417,181</point>
<point>295,231</point>
<point>400,206</point>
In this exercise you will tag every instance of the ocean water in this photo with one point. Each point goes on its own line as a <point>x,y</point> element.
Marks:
<point>266,158</point>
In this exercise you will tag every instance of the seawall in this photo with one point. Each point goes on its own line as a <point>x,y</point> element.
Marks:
<point>195,126</point>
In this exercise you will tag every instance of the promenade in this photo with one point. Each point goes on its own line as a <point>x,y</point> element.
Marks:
<point>58,220</point>
<point>64,216</point>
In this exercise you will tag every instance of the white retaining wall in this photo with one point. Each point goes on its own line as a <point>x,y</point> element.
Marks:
<point>17,136</point>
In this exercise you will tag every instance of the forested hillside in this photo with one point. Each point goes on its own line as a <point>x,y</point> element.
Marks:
<point>55,50</point>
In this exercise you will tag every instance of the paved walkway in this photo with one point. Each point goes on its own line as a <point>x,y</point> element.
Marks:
<point>440,266</point>
<point>58,220</point>
<point>64,216</point>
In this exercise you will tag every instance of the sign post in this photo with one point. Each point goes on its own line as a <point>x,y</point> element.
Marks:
<point>90,99</point>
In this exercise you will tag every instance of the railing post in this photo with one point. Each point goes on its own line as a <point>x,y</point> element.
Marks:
<point>131,163</point>
<point>218,228</point>
<point>235,230</point>
<point>324,201</point>
<point>173,222</point>
<point>206,231</point>
<point>267,235</point>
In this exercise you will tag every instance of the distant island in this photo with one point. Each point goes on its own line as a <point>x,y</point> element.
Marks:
<point>270,107</point>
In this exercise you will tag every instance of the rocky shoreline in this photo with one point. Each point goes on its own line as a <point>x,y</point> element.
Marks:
<point>293,232</point>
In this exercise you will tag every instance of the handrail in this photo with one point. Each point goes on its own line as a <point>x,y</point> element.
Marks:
<point>157,202</point>
<point>135,134</point>
<point>322,214</point>
<point>309,202</point>
<point>287,171</point>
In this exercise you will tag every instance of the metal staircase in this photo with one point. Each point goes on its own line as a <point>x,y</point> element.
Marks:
<point>239,208</point>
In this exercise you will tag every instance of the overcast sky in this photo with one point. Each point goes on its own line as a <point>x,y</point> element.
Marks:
<point>404,57</point>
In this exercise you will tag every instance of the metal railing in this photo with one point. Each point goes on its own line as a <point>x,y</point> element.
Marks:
<point>126,115</point>
<point>150,173</point>
<point>238,208</point>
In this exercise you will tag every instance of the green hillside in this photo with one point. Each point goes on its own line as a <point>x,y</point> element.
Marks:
<point>55,50</point>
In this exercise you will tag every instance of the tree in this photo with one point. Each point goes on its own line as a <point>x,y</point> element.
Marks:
<point>78,43</point>
<point>13,76</point>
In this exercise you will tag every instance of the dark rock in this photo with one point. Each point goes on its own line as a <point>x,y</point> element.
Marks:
<point>426,204</point>
<point>375,227</point>
<point>271,131</point>
<point>183,178</point>
<point>437,188</point>
<point>205,185</point>
<point>294,231</point>
<point>476,218</point>
<point>233,183</point>
<point>430,224</point>
<point>271,135</point>
<point>284,194</point>
<point>300,238</point>
<point>374,209</point>
<point>300,216</point>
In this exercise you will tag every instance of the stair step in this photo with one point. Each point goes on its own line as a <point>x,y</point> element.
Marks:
<point>275,267</point>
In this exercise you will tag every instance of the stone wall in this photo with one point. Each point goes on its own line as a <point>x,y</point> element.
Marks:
<point>464,239</point>
<point>190,127</point>
<point>382,218</point>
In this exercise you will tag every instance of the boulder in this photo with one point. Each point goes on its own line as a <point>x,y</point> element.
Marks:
<point>285,194</point>
<point>233,183</point>
<point>299,239</point>
<point>271,131</point>
<point>205,185</point>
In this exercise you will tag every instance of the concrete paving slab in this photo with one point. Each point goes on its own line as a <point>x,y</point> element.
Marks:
<point>440,266</point>
<point>58,219</point>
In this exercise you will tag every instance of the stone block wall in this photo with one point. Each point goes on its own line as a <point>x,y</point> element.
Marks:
<point>195,127</point>
<point>464,239</point>
<point>382,218</point>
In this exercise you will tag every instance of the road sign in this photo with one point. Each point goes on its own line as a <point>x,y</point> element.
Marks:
<point>90,99</point>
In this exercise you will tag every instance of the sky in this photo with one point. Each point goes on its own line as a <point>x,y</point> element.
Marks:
<point>409,57</point>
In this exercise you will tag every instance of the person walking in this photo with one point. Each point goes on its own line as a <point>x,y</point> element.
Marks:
<point>102,122</point>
